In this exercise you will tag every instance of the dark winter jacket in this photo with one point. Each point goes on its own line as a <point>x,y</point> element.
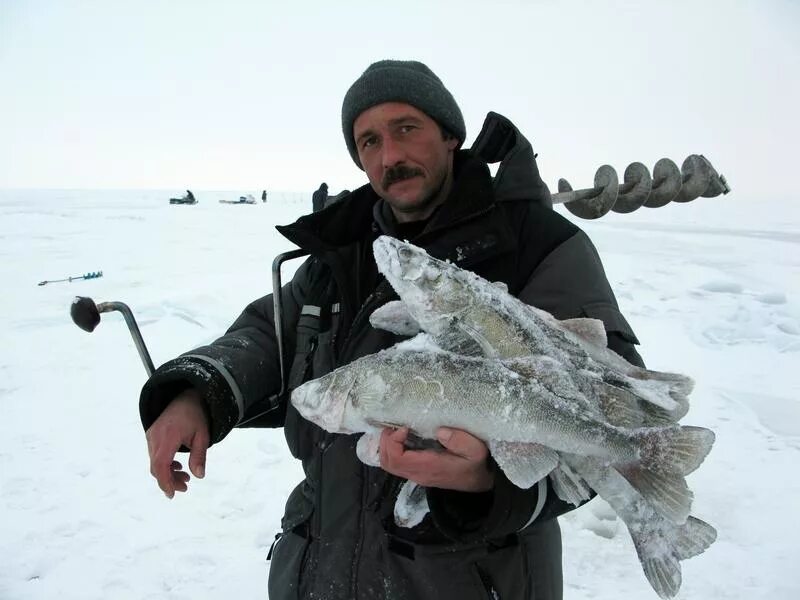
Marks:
<point>339,540</point>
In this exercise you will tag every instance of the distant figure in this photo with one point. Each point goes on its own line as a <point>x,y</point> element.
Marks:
<point>264,195</point>
<point>319,197</point>
<point>190,196</point>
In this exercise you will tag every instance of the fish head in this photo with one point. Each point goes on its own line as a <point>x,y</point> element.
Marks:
<point>323,401</point>
<point>432,289</point>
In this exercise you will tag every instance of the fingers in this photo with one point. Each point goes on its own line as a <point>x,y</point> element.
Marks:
<point>162,465</point>
<point>180,478</point>
<point>182,423</point>
<point>392,446</point>
<point>462,465</point>
<point>462,443</point>
<point>197,454</point>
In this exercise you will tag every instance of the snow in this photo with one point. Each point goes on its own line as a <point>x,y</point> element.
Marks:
<point>710,287</point>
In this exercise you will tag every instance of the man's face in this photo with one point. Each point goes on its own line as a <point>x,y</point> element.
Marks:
<point>408,162</point>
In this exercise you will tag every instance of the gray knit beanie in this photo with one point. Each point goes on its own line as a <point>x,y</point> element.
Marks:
<point>406,81</point>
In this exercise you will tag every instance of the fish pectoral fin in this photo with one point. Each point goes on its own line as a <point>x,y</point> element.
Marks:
<point>371,394</point>
<point>411,505</point>
<point>523,463</point>
<point>589,330</point>
<point>368,448</point>
<point>395,317</point>
<point>486,348</point>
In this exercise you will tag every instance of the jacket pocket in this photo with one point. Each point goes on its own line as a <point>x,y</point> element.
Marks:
<point>503,573</point>
<point>285,566</point>
<point>447,572</point>
<point>612,319</point>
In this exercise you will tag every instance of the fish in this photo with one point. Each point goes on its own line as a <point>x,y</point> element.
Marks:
<point>468,314</point>
<point>428,389</point>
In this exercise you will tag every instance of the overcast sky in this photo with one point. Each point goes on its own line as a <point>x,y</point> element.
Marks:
<point>247,94</point>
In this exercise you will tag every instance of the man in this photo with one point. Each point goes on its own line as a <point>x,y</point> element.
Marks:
<point>319,197</point>
<point>484,537</point>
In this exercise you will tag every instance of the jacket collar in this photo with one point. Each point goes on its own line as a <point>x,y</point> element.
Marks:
<point>345,222</point>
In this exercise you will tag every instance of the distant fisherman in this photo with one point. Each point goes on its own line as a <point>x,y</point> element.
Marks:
<point>484,537</point>
<point>319,197</point>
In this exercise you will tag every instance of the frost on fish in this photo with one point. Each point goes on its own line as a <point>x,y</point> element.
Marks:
<point>462,309</point>
<point>424,390</point>
<point>660,543</point>
<point>465,314</point>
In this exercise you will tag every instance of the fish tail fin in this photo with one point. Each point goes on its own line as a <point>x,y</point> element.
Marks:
<point>676,382</point>
<point>668,494</point>
<point>661,555</point>
<point>695,536</point>
<point>658,394</point>
<point>655,416</point>
<point>664,574</point>
<point>619,406</point>
<point>679,449</point>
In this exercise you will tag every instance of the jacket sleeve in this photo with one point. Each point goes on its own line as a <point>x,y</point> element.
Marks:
<point>569,282</point>
<point>238,375</point>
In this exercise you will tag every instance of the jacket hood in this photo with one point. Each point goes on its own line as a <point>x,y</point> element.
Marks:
<point>518,176</point>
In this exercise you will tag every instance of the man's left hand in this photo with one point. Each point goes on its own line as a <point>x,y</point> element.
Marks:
<point>463,464</point>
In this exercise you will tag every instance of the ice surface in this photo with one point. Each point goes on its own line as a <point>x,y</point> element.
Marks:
<point>82,519</point>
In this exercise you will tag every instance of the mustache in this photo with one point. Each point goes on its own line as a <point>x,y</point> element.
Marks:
<point>399,173</point>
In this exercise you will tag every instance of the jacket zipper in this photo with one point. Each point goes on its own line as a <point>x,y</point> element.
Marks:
<point>372,302</point>
<point>374,299</point>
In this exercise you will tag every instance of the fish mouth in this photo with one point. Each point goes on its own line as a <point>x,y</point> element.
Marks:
<point>309,399</point>
<point>401,260</point>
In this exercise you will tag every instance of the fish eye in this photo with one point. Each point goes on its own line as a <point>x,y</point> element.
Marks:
<point>405,253</point>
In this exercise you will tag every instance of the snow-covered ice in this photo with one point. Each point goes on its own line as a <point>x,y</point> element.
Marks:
<point>711,289</point>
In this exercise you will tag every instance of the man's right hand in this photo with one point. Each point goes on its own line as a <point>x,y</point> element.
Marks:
<point>183,422</point>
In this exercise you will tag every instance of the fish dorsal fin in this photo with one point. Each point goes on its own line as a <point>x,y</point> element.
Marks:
<point>590,330</point>
<point>523,463</point>
<point>501,284</point>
